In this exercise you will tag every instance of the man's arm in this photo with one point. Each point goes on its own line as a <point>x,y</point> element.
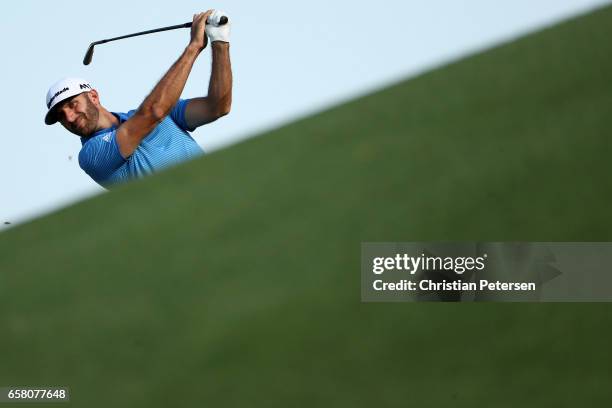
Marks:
<point>166,93</point>
<point>218,103</point>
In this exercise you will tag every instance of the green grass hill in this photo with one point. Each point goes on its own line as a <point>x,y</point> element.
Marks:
<point>234,280</point>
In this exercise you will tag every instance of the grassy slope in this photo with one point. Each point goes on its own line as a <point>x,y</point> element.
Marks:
<point>234,280</point>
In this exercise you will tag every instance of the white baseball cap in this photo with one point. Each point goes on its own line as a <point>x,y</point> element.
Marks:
<point>62,90</point>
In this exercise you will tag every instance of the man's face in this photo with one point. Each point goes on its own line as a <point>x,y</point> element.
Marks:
<point>79,115</point>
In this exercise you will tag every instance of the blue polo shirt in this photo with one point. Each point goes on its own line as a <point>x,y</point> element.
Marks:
<point>167,144</point>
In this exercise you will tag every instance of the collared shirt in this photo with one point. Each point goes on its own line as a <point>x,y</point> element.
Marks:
<point>167,144</point>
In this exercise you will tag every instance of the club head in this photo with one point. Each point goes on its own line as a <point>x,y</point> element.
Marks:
<point>89,54</point>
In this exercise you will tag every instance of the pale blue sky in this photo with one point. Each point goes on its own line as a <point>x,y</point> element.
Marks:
<point>289,59</point>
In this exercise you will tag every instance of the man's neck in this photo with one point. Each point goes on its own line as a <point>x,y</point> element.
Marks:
<point>106,120</point>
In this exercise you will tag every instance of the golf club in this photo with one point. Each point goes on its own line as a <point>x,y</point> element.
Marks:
<point>90,49</point>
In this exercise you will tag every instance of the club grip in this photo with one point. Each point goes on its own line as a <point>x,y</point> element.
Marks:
<point>222,21</point>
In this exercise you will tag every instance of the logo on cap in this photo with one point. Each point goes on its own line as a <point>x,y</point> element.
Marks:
<point>58,93</point>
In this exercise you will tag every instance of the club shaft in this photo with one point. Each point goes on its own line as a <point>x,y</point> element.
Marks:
<point>157,30</point>
<point>89,54</point>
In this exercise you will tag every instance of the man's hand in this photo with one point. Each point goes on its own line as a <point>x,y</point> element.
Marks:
<point>198,35</point>
<point>218,32</point>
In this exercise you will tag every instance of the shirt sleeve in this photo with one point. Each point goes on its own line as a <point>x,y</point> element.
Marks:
<point>100,157</point>
<point>178,114</point>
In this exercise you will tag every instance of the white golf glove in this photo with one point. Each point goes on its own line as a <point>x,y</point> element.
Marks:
<point>216,32</point>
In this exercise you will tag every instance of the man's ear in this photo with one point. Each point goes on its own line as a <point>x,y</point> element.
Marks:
<point>94,97</point>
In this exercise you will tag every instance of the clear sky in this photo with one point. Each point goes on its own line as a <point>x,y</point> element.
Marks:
<point>289,59</point>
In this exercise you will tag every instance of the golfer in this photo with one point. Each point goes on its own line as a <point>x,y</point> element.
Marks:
<point>117,147</point>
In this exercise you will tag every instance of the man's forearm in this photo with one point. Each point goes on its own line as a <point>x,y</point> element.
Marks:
<point>220,85</point>
<point>166,93</point>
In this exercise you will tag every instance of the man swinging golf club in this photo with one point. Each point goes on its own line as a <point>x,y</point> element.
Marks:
<point>117,147</point>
